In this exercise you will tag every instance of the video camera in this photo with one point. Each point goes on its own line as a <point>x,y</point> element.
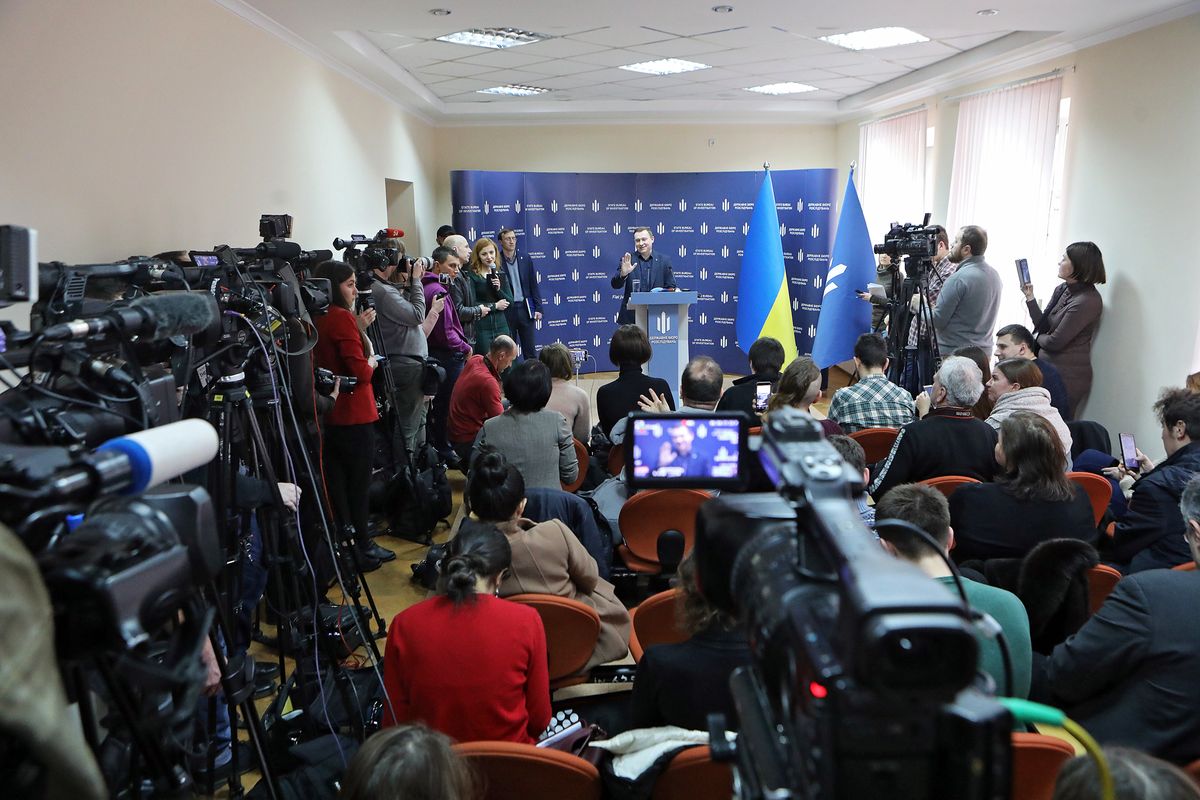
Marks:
<point>911,240</point>
<point>861,682</point>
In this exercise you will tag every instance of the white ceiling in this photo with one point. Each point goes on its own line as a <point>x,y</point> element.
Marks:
<point>390,45</point>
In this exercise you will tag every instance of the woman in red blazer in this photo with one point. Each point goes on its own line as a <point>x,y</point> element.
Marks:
<point>465,662</point>
<point>349,437</point>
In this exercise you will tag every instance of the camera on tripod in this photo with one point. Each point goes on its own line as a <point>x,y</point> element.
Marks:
<point>910,240</point>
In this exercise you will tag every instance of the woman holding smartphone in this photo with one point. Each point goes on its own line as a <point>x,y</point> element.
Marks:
<point>1065,330</point>
<point>492,291</point>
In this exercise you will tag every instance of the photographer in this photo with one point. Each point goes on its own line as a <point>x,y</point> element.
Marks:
<point>447,343</point>
<point>400,304</point>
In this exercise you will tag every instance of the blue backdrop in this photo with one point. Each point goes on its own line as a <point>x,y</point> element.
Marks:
<point>576,227</point>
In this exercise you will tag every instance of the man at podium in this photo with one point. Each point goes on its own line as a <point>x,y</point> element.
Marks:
<point>643,273</point>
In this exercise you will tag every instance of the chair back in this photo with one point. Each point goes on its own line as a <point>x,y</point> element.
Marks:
<point>876,442</point>
<point>572,629</point>
<point>654,623</point>
<point>1099,491</point>
<point>1102,579</point>
<point>616,459</point>
<point>693,775</point>
<point>581,455</point>
<point>512,771</point>
<point>948,484</point>
<point>648,513</point>
<point>1187,566</point>
<point>1036,760</point>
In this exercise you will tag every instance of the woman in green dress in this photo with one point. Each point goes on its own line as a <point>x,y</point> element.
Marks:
<point>492,292</point>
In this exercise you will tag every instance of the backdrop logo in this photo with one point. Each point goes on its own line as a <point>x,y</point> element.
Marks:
<point>817,281</point>
<point>724,297</point>
<point>799,204</point>
<point>487,209</point>
<point>724,341</point>
<point>556,253</point>
<point>682,204</point>
<point>745,229</point>
<point>595,251</point>
<point>616,228</point>
<point>703,273</point>
<point>537,229</point>
<point>595,206</point>
<point>682,251</point>
<point>725,204</point>
<point>554,206</point>
<point>703,318</point>
<point>799,256</point>
<point>596,340</point>
<point>538,324</point>
<point>575,275</point>
<point>574,228</point>
<point>725,251</point>
<point>662,323</point>
<point>782,229</point>
<point>812,330</point>
<point>616,317</point>
<point>637,204</point>
<point>557,298</point>
<point>517,206</point>
<point>472,235</point>
<point>596,297</point>
<point>539,277</point>
<point>661,228</point>
<point>575,320</point>
<point>703,228</point>
<point>816,231</point>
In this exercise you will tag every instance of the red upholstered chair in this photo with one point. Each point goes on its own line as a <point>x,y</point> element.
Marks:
<point>1186,567</point>
<point>512,771</point>
<point>948,484</point>
<point>876,442</point>
<point>1101,581</point>
<point>572,629</point>
<point>1036,760</point>
<point>616,459</point>
<point>581,454</point>
<point>1098,489</point>
<point>646,515</point>
<point>1193,769</point>
<point>654,623</point>
<point>693,775</point>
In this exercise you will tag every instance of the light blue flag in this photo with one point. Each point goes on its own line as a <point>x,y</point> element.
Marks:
<point>844,317</point>
<point>764,307</point>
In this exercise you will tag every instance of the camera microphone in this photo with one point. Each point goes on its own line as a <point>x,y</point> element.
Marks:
<point>160,454</point>
<point>159,316</point>
<point>390,233</point>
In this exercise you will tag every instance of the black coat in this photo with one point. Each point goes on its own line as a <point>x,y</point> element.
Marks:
<point>1151,534</point>
<point>740,396</point>
<point>989,522</point>
<point>947,442</point>
<point>681,684</point>
<point>616,399</point>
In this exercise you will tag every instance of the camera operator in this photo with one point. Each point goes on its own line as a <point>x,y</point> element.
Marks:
<point>349,442</point>
<point>965,311</point>
<point>400,303</point>
<point>447,343</point>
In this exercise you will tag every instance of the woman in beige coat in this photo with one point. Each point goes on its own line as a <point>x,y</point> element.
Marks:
<point>547,557</point>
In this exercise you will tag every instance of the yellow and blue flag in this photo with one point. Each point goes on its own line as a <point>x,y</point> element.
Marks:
<point>764,305</point>
<point>844,317</point>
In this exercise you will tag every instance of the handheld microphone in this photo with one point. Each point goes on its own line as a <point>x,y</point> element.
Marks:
<point>159,454</point>
<point>159,316</point>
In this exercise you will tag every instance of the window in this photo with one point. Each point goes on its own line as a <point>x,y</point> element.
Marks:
<point>891,171</point>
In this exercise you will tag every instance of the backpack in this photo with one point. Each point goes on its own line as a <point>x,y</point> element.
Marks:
<point>416,497</point>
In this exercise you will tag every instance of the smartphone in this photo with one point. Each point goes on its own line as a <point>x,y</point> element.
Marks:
<point>1129,452</point>
<point>1023,271</point>
<point>443,278</point>
<point>761,394</point>
<point>929,390</point>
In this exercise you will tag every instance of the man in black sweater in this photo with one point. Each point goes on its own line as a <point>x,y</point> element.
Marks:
<point>766,361</point>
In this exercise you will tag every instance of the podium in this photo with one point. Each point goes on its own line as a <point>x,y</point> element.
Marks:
<point>664,318</point>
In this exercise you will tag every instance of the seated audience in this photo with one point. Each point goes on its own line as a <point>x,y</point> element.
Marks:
<point>408,761</point>
<point>927,509</point>
<point>949,441</point>
<point>1129,674</point>
<point>629,350</point>
<point>983,406</point>
<point>800,387</point>
<point>1031,501</point>
<point>1016,341</point>
<point>476,395</point>
<point>700,387</point>
<point>547,558</point>
<point>1150,534</point>
<point>1016,385</point>
<point>534,439</point>
<point>856,458</point>
<point>874,401</point>
<point>766,360</point>
<point>565,397</point>
<point>1135,776</point>
<point>465,662</point>
<point>681,684</point>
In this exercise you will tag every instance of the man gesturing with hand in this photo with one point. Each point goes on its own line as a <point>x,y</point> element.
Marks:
<point>642,272</point>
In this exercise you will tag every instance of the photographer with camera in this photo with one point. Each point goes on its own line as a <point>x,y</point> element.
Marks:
<point>400,304</point>
<point>966,308</point>
<point>349,439</point>
<point>447,343</point>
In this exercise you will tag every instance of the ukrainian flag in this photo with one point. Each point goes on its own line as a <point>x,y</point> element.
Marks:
<point>764,307</point>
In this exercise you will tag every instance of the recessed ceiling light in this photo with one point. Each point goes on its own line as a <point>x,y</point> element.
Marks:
<point>781,88</point>
<point>514,90</point>
<point>665,66</point>
<point>988,12</point>
<point>722,9</point>
<point>495,38</point>
<point>440,12</point>
<point>875,38</point>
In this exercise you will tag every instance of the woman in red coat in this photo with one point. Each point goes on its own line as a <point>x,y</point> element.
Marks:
<point>465,662</point>
<point>349,428</point>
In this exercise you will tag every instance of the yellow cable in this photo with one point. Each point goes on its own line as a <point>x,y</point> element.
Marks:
<point>1107,791</point>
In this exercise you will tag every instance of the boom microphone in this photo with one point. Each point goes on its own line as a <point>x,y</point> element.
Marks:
<point>390,233</point>
<point>159,454</point>
<point>159,316</point>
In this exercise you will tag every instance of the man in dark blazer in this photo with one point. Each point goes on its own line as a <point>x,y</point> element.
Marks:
<point>649,269</point>
<point>1129,674</point>
<point>526,308</point>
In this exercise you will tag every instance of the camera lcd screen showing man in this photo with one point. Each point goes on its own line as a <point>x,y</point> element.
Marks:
<point>690,447</point>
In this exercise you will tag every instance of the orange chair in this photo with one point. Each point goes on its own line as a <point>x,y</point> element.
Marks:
<point>693,775</point>
<point>654,623</point>
<point>572,629</point>
<point>647,514</point>
<point>1098,489</point>
<point>1102,579</point>
<point>876,442</point>
<point>1036,760</point>
<point>616,459</point>
<point>1185,567</point>
<point>1193,771</point>
<point>948,484</point>
<point>581,455</point>
<point>512,771</point>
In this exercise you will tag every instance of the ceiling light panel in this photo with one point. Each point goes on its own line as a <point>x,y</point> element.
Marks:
<point>665,66</point>
<point>493,38</point>
<point>788,87</point>
<point>514,90</point>
<point>875,38</point>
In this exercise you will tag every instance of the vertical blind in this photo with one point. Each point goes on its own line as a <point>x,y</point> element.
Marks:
<point>891,171</point>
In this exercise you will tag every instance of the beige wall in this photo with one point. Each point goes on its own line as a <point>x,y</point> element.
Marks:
<point>133,127</point>
<point>1133,162</point>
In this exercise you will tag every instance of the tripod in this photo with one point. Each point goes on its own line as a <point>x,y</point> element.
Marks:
<point>912,367</point>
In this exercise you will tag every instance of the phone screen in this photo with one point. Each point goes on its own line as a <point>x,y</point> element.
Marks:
<point>1023,271</point>
<point>762,392</point>
<point>1129,452</point>
<point>929,390</point>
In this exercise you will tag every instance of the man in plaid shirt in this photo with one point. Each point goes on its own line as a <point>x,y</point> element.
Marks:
<point>873,402</point>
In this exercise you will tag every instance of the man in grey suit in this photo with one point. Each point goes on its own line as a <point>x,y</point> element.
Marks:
<point>965,311</point>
